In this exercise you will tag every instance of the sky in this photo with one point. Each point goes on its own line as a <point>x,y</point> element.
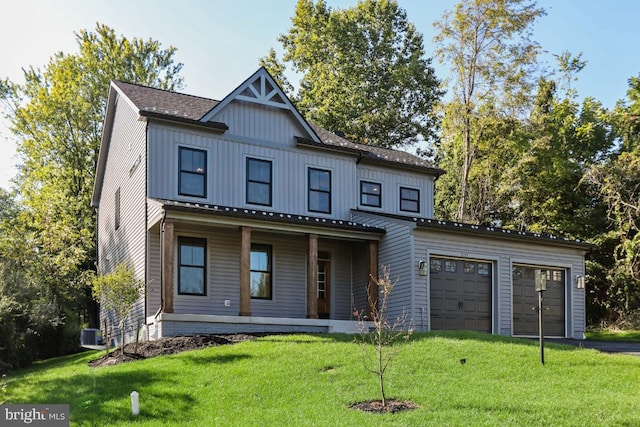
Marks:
<point>220,41</point>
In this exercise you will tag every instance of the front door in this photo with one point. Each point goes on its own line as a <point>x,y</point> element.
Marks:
<point>324,289</point>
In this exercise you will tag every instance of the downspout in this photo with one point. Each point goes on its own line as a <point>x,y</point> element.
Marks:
<point>95,305</point>
<point>164,216</point>
<point>146,222</point>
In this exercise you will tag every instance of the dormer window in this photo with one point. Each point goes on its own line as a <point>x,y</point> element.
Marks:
<point>192,179</point>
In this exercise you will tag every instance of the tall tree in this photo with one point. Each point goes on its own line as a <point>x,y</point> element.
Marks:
<point>618,182</point>
<point>364,71</point>
<point>487,45</point>
<point>544,186</point>
<point>56,118</point>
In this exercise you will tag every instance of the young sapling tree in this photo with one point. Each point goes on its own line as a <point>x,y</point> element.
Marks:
<point>118,291</point>
<point>378,334</point>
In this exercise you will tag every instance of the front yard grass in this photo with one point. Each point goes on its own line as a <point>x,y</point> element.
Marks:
<point>613,335</point>
<point>310,380</point>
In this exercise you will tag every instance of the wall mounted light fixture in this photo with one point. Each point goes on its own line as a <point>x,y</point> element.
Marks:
<point>580,282</point>
<point>422,268</point>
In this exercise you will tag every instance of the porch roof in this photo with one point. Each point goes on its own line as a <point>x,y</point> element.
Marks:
<point>269,216</point>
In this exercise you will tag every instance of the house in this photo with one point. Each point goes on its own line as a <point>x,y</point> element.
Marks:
<point>242,216</point>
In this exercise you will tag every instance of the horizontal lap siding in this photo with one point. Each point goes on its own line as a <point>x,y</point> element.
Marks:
<point>289,277</point>
<point>154,263</point>
<point>360,276</point>
<point>341,284</point>
<point>125,169</point>
<point>506,253</point>
<point>395,251</point>
<point>222,274</point>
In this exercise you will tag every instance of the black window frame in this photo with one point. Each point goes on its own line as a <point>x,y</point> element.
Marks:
<point>182,172</point>
<point>404,199</point>
<point>194,242</point>
<point>117,216</point>
<point>363,193</point>
<point>268,249</point>
<point>250,181</point>
<point>311,190</point>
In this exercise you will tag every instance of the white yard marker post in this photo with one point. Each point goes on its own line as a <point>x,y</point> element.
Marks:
<point>135,405</point>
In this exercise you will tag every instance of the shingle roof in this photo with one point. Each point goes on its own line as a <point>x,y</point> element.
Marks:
<point>165,102</point>
<point>181,107</point>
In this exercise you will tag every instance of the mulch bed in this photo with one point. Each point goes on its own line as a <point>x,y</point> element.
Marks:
<point>391,406</point>
<point>164,346</point>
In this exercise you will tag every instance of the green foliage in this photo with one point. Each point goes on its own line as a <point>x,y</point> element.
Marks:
<point>118,291</point>
<point>56,118</point>
<point>251,383</point>
<point>364,71</point>
<point>277,70</point>
<point>487,46</point>
<point>544,184</point>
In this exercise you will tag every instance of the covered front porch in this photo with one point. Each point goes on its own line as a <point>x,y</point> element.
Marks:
<point>261,272</point>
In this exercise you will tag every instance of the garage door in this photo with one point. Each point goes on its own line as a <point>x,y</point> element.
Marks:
<point>460,294</point>
<point>525,298</point>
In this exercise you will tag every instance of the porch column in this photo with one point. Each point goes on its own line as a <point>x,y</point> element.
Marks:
<point>372,284</point>
<point>245,271</point>
<point>312,276</point>
<point>167,266</point>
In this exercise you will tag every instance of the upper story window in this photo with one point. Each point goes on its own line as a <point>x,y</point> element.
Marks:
<point>409,199</point>
<point>370,194</point>
<point>260,271</point>
<point>259,182</point>
<point>192,266</point>
<point>319,190</point>
<point>192,180</point>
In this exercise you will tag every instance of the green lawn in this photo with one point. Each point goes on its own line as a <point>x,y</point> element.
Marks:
<point>613,335</point>
<point>310,380</point>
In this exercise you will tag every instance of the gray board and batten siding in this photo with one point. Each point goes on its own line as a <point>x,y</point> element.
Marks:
<point>226,172</point>
<point>502,253</point>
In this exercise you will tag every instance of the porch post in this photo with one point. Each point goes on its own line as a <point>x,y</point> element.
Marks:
<point>167,266</point>
<point>372,283</point>
<point>245,271</point>
<point>312,276</point>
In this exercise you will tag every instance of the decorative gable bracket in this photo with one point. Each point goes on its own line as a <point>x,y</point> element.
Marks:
<point>262,89</point>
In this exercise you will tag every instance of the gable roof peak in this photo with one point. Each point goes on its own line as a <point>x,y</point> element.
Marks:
<point>261,88</point>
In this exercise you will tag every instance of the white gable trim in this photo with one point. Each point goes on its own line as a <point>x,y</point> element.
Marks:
<point>261,88</point>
